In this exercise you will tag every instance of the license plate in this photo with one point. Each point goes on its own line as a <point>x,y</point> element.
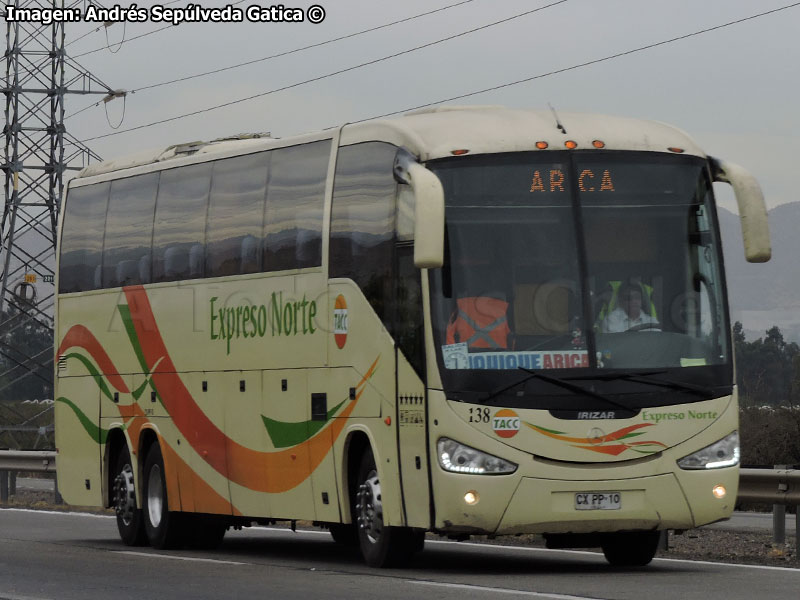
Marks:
<point>598,501</point>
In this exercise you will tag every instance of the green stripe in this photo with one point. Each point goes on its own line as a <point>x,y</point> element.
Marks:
<point>98,434</point>
<point>544,428</point>
<point>125,313</point>
<point>94,373</point>
<point>284,434</point>
<point>630,435</point>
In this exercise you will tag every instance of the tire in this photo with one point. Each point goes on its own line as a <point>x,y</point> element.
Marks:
<point>344,534</point>
<point>164,528</point>
<point>635,549</point>
<point>204,532</point>
<point>381,545</point>
<point>130,520</point>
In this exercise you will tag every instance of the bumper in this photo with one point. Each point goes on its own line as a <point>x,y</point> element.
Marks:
<point>678,500</point>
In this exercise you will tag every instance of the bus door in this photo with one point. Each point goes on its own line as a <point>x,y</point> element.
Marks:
<point>412,442</point>
<point>411,400</point>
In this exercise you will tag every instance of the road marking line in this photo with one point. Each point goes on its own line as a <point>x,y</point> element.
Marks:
<point>599,555</point>
<point>175,557</point>
<point>485,547</point>
<point>474,588</point>
<point>57,512</point>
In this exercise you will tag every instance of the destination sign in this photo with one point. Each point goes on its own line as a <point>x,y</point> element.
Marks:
<point>589,180</point>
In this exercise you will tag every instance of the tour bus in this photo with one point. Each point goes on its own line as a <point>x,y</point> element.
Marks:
<point>463,320</point>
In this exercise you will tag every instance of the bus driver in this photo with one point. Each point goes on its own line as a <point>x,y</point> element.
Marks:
<point>628,315</point>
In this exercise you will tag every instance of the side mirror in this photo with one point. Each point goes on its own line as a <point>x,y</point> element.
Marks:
<point>752,210</point>
<point>428,210</point>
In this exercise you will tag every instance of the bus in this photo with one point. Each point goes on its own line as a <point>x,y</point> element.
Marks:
<point>463,321</point>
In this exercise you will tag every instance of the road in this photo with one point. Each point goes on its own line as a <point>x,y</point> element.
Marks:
<point>70,556</point>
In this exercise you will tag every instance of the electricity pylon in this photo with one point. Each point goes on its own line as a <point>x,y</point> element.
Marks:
<point>38,151</point>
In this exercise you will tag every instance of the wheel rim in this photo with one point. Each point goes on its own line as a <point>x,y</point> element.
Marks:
<point>124,495</point>
<point>155,496</point>
<point>370,508</point>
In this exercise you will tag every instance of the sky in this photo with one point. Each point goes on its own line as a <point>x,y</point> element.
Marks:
<point>734,89</point>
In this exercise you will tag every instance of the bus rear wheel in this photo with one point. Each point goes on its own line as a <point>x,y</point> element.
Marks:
<point>630,549</point>
<point>164,528</point>
<point>381,545</point>
<point>130,521</point>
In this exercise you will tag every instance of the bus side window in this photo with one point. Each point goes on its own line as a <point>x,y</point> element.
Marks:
<point>82,238</point>
<point>129,230</point>
<point>371,241</point>
<point>235,215</point>
<point>180,222</point>
<point>294,208</point>
<point>363,222</point>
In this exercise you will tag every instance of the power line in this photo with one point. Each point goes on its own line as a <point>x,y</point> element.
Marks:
<point>328,75</point>
<point>585,64</point>
<point>288,52</point>
<point>460,96</point>
<point>96,29</point>
<point>285,53</point>
<point>138,37</point>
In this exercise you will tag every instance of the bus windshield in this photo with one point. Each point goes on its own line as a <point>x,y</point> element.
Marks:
<point>588,266</point>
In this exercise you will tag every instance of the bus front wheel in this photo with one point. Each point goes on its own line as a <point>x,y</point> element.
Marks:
<point>164,528</point>
<point>631,549</point>
<point>130,521</point>
<point>381,545</point>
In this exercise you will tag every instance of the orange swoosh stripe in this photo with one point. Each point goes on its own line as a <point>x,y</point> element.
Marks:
<point>611,437</point>
<point>80,336</point>
<point>272,472</point>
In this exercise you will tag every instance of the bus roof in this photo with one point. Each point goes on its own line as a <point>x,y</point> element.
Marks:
<point>439,131</point>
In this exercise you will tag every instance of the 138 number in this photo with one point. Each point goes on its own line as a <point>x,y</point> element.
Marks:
<point>479,415</point>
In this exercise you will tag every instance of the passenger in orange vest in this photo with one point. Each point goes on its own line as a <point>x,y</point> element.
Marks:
<point>481,322</point>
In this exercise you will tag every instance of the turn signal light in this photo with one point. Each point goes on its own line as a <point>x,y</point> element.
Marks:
<point>542,145</point>
<point>598,144</point>
<point>570,144</point>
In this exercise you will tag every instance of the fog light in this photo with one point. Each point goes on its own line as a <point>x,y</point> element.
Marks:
<point>719,491</point>
<point>471,498</point>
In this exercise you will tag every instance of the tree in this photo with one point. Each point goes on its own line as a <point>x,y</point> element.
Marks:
<point>766,369</point>
<point>26,357</point>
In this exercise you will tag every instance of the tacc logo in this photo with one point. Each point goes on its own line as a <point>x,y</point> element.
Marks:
<point>505,423</point>
<point>340,323</point>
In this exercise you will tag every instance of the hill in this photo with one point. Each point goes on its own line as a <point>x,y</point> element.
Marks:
<point>763,295</point>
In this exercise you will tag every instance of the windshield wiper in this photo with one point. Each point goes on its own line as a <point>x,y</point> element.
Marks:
<point>697,390</point>
<point>567,386</point>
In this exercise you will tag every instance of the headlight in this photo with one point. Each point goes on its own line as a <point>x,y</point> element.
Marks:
<point>724,453</point>
<point>458,458</point>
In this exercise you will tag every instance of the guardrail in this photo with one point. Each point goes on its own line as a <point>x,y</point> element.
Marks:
<point>40,461</point>
<point>769,486</point>
<point>779,486</point>
<point>12,461</point>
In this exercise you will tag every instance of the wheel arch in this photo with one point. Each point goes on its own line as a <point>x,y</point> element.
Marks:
<point>358,440</point>
<point>117,440</point>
